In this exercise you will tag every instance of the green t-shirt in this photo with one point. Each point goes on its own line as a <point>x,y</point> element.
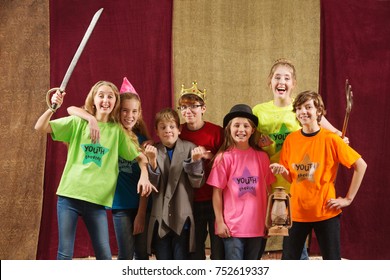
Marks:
<point>277,123</point>
<point>91,170</point>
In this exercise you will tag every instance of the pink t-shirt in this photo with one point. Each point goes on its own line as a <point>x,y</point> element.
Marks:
<point>244,176</point>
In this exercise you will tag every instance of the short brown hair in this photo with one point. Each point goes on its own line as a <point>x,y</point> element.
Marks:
<point>167,114</point>
<point>317,101</point>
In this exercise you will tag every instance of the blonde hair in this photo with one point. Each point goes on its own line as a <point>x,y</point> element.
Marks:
<point>281,62</point>
<point>89,101</point>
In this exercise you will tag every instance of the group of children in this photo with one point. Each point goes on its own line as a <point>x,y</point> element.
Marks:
<point>204,179</point>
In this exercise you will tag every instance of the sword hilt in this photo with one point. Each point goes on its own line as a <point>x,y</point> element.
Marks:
<point>52,106</point>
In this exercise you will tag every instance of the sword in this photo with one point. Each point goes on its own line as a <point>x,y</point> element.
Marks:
<point>73,63</point>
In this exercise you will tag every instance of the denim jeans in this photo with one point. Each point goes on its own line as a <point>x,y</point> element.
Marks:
<point>95,219</point>
<point>204,219</point>
<point>250,248</point>
<point>129,245</point>
<point>328,236</point>
<point>304,254</point>
<point>171,246</point>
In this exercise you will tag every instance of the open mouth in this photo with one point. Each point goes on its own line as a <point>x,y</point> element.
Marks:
<point>105,107</point>
<point>281,90</point>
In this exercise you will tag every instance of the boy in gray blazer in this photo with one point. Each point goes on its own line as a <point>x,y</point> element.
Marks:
<point>175,169</point>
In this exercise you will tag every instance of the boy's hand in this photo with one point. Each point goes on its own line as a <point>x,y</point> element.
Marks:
<point>206,154</point>
<point>277,168</point>
<point>151,153</point>
<point>198,153</point>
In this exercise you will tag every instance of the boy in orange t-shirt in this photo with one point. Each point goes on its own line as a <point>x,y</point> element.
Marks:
<point>309,160</point>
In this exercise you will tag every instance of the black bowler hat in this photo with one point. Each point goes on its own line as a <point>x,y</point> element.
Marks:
<point>242,111</point>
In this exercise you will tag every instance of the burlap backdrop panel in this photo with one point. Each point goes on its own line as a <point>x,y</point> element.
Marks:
<point>229,46</point>
<point>24,79</point>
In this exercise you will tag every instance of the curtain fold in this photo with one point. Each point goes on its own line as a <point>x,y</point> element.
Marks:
<point>355,45</point>
<point>24,77</point>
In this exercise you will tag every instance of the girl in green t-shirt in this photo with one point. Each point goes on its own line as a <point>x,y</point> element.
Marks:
<point>87,185</point>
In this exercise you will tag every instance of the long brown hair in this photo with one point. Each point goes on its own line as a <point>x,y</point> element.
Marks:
<point>140,126</point>
<point>228,142</point>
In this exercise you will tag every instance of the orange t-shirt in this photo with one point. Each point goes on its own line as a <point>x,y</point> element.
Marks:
<point>312,162</point>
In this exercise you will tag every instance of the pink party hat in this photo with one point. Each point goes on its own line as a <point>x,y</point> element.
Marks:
<point>127,87</point>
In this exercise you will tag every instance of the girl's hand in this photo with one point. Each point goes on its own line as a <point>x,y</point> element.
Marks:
<point>222,230</point>
<point>58,98</point>
<point>338,203</point>
<point>346,140</point>
<point>94,130</point>
<point>277,168</point>
<point>144,187</point>
<point>146,143</point>
<point>139,224</point>
<point>264,141</point>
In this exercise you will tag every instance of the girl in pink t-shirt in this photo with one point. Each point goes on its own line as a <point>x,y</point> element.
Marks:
<point>240,176</point>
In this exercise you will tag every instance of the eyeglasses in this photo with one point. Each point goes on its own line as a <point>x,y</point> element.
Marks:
<point>191,107</point>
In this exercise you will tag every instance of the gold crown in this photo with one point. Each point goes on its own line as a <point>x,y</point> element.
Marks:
<point>193,90</point>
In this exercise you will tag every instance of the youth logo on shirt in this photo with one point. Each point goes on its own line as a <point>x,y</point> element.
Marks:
<point>125,165</point>
<point>280,136</point>
<point>246,183</point>
<point>306,169</point>
<point>94,153</point>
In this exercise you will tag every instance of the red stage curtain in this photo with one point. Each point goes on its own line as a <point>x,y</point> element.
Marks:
<point>355,44</point>
<point>132,38</point>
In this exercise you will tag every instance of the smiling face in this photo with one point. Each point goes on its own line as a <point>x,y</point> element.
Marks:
<point>192,109</point>
<point>282,83</point>
<point>240,131</point>
<point>307,113</point>
<point>309,109</point>
<point>130,112</point>
<point>104,101</point>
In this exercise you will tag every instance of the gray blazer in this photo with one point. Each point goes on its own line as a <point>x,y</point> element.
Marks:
<point>175,180</point>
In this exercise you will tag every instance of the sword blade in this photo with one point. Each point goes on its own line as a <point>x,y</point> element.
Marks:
<point>80,50</point>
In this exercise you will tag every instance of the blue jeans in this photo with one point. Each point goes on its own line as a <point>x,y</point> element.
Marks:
<point>250,248</point>
<point>204,219</point>
<point>171,246</point>
<point>328,236</point>
<point>304,254</point>
<point>129,245</point>
<point>95,219</point>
